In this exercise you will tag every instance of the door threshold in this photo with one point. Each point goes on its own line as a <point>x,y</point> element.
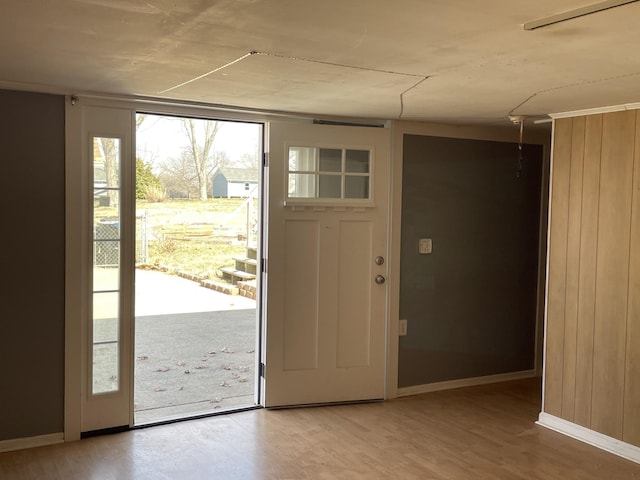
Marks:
<point>327,404</point>
<point>105,431</point>
<point>177,419</point>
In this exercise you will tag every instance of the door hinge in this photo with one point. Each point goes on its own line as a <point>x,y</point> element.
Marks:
<point>263,265</point>
<point>261,370</point>
<point>265,159</point>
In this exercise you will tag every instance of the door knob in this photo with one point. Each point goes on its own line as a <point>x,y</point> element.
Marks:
<point>380,279</point>
<point>379,260</point>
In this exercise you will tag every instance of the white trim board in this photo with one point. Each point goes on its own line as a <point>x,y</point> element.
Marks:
<point>604,442</point>
<point>595,111</point>
<point>31,442</point>
<point>465,382</point>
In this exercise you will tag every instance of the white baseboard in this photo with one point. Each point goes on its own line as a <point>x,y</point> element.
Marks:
<point>31,442</point>
<point>604,442</point>
<point>465,382</point>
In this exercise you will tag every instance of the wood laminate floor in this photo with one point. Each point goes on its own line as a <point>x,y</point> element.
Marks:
<point>485,432</point>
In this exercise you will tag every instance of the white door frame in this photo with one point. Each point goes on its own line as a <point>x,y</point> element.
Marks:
<point>76,188</point>
<point>78,250</point>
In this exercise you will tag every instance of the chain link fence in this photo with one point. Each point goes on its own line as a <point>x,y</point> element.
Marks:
<point>106,245</point>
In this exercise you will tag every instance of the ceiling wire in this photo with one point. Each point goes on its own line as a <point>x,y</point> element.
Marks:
<point>519,120</point>
<point>520,153</point>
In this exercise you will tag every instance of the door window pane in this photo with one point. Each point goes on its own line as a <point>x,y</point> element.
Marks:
<point>330,160</point>
<point>106,333</point>
<point>329,173</point>
<point>106,264</point>
<point>302,159</point>
<point>357,161</point>
<point>330,186</point>
<point>356,187</point>
<point>302,185</point>
<point>105,279</point>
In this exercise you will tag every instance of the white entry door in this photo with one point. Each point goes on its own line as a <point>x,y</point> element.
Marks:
<point>326,252</point>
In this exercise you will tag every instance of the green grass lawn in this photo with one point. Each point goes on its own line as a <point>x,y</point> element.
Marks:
<point>193,236</point>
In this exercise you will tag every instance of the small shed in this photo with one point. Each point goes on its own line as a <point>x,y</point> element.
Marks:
<point>234,182</point>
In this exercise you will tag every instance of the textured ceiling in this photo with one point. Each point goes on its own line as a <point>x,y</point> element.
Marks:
<point>453,61</point>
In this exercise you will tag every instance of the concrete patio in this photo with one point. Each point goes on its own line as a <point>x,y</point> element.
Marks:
<point>195,349</point>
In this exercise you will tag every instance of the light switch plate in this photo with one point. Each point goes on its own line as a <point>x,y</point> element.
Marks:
<point>425,246</point>
<point>402,328</point>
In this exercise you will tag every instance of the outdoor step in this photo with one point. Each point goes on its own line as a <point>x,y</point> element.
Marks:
<point>252,252</point>
<point>247,294</point>
<point>247,289</point>
<point>233,275</point>
<point>249,285</point>
<point>248,265</point>
<point>247,260</point>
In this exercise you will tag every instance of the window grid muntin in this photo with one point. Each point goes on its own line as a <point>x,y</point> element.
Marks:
<point>314,168</point>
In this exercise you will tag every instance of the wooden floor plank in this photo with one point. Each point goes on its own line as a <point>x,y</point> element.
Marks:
<point>485,432</point>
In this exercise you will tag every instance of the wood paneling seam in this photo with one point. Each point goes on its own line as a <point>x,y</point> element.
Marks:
<point>560,172</point>
<point>567,267</point>
<point>586,308</point>
<point>580,253</point>
<point>629,306</point>
<point>595,299</point>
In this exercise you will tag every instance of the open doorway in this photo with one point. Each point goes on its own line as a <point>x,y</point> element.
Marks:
<point>197,224</point>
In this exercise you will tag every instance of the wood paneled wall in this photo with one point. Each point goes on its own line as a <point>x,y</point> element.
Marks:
<point>592,362</point>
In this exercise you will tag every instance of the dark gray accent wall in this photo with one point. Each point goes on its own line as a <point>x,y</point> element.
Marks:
<point>471,304</point>
<point>31,264</point>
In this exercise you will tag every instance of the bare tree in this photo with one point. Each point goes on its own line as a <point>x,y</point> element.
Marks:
<point>110,150</point>
<point>111,168</point>
<point>178,176</point>
<point>249,160</point>
<point>221,159</point>
<point>140,117</point>
<point>200,153</point>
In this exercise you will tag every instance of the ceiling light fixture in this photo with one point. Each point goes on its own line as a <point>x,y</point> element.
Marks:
<point>578,12</point>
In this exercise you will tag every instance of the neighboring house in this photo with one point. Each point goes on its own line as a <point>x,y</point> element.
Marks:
<point>234,182</point>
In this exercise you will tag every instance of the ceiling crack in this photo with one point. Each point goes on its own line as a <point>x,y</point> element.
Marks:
<point>208,73</point>
<point>578,84</point>
<point>421,78</point>
<point>408,90</point>
<point>335,64</point>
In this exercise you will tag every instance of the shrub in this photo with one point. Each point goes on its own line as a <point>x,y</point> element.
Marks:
<point>155,193</point>
<point>146,181</point>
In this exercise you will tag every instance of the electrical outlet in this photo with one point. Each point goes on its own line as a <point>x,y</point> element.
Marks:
<point>425,246</point>
<point>402,328</point>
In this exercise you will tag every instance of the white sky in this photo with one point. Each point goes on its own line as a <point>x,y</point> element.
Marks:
<point>162,137</point>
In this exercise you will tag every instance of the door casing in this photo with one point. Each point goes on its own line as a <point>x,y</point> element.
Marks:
<point>77,186</point>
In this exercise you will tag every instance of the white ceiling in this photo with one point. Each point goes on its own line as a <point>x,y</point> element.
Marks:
<point>452,61</point>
